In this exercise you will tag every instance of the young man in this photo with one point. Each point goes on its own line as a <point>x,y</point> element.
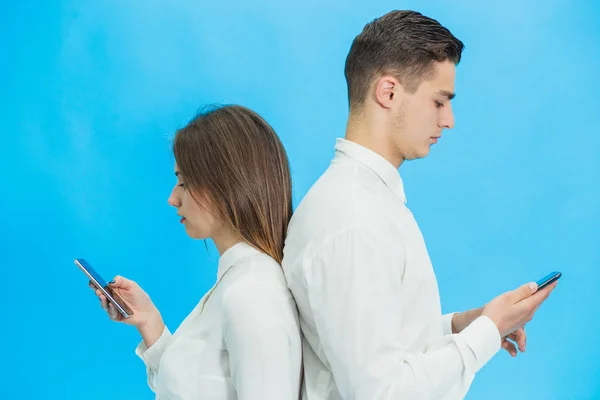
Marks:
<point>354,257</point>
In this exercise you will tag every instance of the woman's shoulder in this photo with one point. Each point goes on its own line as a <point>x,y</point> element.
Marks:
<point>255,288</point>
<point>257,269</point>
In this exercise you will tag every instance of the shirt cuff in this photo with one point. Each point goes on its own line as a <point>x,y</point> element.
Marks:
<point>483,337</point>
<point>447,323</point>
<point>151,355</point>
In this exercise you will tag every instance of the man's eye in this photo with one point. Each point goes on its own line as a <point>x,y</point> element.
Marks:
<point>438,104</point>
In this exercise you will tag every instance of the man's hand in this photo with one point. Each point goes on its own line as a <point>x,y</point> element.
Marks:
<point>519,338</point>
<point>461,320</point>
<point>512,310</point>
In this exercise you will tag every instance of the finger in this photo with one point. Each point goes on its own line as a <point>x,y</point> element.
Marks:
<point>103,302</point>
<point>523,292</point>
<point>543,295</point>
<point>550,287</point>
<point>535,300</point>
<point>521,339</point>
<point>112,312</point>
<point>121,283</point>
<point>510,347</point>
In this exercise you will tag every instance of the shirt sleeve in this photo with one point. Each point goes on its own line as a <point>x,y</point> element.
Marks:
<point>152,355</point>
<point>447,323</point>
<point>262,336</point>
<point>354,292</point>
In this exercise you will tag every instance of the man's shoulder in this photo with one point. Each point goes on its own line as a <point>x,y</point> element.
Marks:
<point>334,205</point>
<point>342,190</point>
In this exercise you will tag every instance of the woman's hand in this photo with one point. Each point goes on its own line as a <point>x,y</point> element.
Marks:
<point>146,317</point>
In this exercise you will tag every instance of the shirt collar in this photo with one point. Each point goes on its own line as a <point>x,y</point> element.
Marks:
<point>383,168</point>
<point>234,254</point>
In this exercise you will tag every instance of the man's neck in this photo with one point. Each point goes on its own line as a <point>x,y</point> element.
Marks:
<point>372,135</point>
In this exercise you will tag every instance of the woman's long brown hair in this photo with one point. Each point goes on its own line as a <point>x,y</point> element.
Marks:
<point>232,157</point>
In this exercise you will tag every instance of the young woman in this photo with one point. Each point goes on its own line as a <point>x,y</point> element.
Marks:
<point>242,340</point>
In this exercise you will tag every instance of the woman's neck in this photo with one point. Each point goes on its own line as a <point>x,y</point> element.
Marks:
<point>225,239</point>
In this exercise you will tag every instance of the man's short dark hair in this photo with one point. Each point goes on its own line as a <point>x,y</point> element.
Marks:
<point>405,44</point>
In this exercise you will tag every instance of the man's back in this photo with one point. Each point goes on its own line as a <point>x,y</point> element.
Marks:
<point>358,268</point>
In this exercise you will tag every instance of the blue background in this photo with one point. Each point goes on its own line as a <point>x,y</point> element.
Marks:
<point>91,93</point>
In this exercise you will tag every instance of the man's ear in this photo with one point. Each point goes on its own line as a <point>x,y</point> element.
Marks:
<point>387,91</point>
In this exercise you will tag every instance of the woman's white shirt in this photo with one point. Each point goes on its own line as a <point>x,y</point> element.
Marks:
<point>241,342</point>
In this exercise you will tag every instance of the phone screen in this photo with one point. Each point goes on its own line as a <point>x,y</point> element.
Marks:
<point>548,279</point>
<point>92,272</point>
<point>97,280</point>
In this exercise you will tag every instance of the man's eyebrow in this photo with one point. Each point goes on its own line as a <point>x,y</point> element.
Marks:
<point>447,94</point>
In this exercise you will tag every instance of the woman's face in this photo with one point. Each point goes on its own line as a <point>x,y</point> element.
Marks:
<point>199,220</point>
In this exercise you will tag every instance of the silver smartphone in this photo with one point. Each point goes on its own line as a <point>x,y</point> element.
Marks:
<point>548,279</point>
<point>101,284</point>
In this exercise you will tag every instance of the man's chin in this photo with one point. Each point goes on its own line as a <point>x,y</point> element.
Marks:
<point>417,155</point>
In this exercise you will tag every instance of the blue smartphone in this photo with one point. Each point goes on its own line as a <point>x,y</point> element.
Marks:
<point>106,290</point>
<point>548,279</point>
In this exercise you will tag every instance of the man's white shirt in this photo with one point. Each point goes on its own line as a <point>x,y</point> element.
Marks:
<point>361,276</point>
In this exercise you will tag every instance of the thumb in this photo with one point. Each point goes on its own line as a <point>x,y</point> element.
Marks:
<point>121,283</point>
<point>523,291</point>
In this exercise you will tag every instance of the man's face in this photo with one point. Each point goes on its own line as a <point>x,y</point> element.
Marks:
<point>420,117</point>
